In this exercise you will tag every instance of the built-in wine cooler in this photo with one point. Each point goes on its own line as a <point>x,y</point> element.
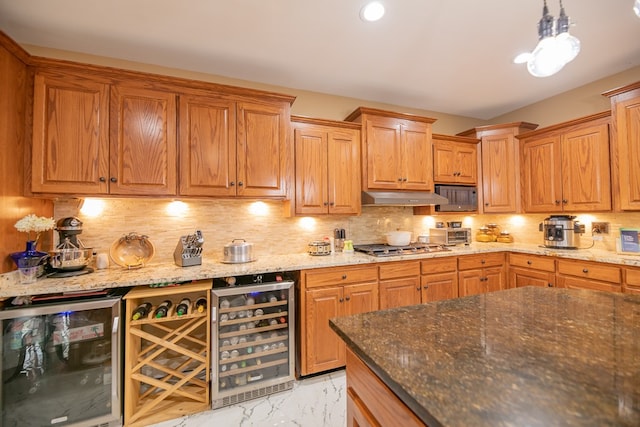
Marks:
<point>252,337</point>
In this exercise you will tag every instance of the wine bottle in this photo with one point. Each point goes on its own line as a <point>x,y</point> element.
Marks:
<point>201,305</point>
<point>162,309</point>
<point>183,307</point>
<point>141,311</point>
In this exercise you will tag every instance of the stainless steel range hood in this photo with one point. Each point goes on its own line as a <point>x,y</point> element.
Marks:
<point>402,198</point>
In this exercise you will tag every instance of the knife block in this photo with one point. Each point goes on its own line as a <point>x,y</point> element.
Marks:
<point>186,255</point>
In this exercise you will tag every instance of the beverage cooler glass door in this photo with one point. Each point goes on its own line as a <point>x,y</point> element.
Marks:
<point>253,341</point>
<point>61,364</point>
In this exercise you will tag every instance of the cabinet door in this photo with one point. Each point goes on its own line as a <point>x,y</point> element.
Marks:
<point>311,171</point>
<point>444,161</point>
<point>207,144</point>
<point>627,116</point>
<point>383,154</point>
<point>436,287</point>
<point>323,349</point>
<point>417,160</point>
<point>70,152</point>
<point>585,169</point>
<point>343,165</point>
<point>499,184</point>
<point>360,298</point>
<point>399,292</point>
<point>571,282</point>
<point>467,160</point>
<point>494,279</point>
<point>541,175</point>
<point>470,282</point>
<point>142,142</point>
<point>263,150</point>
<point>519,277</point>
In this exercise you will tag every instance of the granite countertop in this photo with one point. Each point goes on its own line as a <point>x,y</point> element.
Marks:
<point>211,268</point>
<point>521,357</point>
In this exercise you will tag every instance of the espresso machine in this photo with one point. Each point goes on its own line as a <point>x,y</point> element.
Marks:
<point>561,232</point>
<point>71,257</point>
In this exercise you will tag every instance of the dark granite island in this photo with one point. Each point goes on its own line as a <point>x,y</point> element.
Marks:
<point>521,357</point>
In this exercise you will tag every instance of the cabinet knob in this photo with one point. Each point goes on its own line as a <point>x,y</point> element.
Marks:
<point>550,285</point>
<point>331,204</point>
<point>326,203</point>
<point>232,184</point>
<point>240,183</point>
<point>557,202</point>
<point>348,298</point>
<point>565,201</point>
<point>400,179</point>
<point>113,179</point>
<point>585,270</point>
<point>404,179</point>
<point>483,262</point>
<point>418,288</point>
<point>425,287</point>
<point>102,179</point>
<point>344,276</point>
<point>341,300</point>
<point>529,262</point>
<point>486,204</point>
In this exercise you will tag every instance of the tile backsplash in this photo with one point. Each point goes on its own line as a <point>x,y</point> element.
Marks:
<point>263,224</point>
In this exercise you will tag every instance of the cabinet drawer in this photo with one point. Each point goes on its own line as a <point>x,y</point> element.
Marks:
<point>340,276</point>
<point>480,261</point>
<point>533,261</point>
<point>633,276</point>
<point>439,265</point>
<point>589,270</point>
<point>392,270</point>
<point>595,285</point>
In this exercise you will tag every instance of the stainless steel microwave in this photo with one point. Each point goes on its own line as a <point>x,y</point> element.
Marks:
<point>461,198</point>
<point>450,236</point>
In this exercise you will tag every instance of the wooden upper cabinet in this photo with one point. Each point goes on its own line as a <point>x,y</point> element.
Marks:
<point>625,146</point>
<point>500,160</point>
<point>455,160</point>
<point>207,146</point>
<point>566,167</point>
<point>143,151</point>
<point>327,167</point>
<point>70,152</point>
<point>263,157</point>
<point>396,150</point>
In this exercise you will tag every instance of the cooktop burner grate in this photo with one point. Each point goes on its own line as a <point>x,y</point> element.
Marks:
<point>381,249</point>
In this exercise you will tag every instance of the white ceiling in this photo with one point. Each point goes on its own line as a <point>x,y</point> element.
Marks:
<point>440,55</point>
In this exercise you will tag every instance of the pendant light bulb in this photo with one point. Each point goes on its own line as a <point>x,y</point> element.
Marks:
<point>636,8</point>
<point>544,60</point>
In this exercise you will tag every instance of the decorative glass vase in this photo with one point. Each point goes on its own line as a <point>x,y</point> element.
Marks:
<point>29,262</point>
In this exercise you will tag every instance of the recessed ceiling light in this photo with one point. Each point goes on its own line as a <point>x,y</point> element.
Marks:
<point>372,11</point>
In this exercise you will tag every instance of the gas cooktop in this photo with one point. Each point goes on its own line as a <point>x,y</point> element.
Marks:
<point>382,249</point>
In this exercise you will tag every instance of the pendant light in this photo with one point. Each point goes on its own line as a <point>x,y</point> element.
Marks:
<point>556,46</point>
<point>636,8</point>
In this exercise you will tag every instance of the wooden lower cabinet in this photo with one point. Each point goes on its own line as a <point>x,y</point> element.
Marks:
<point>399,284</point>
<point>575,274</point>
<point>328,293</point>
<point>370,402</point>
<point>439,279</point>
<point>531,270</point>
<point>482,273</point>
<point>631,280</point>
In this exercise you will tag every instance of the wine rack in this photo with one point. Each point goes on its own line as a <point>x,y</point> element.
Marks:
<point>253,342</point>
<point>167,359</point>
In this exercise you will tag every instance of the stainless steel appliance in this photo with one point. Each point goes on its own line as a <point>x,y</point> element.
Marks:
<point>460,198</point>
<point>450,236</point>
<point>382,249</point>
<point>71,257</point>
<point>561,231</point>
<point>61,361</point>
<point>253,339</point>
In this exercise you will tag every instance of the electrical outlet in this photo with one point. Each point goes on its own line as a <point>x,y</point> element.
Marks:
<point>599,228</point>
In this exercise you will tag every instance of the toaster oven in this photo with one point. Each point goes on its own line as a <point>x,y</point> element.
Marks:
<point>450,236</point>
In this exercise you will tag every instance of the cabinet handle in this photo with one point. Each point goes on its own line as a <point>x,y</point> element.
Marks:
<point>557,202</point>
<point>344,276</point>
<point>348,298</point>
<point>113,179</point>
<point>404,179</point>
<point>400,179</point>
<point>550,285</point>
<point>585,270</point>
<point>326,203</point>
<point>240,183</point>
<point>418,288</point>
<point>565,201</point>
<point>425,287</point>
<point>232,184</point>
<point>102,179</point>
<point>331,203</point>
<point>486,204</point>
<point>529,262</point>
<point>341,300</point>
<point>483,262</point>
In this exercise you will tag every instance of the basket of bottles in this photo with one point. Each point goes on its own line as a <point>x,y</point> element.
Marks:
<point>167,357</point>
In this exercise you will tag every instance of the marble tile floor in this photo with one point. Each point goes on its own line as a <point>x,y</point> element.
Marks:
<point>319,401</point>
